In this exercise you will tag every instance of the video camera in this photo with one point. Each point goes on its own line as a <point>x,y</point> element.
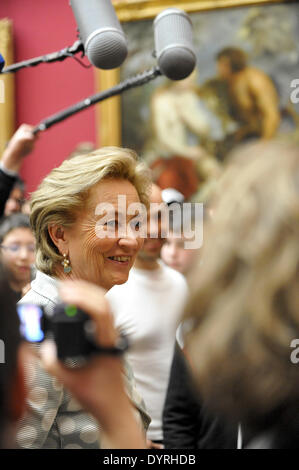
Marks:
<point>69,326</point>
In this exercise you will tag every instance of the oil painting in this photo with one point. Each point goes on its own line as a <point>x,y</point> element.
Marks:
<point>247,59</point>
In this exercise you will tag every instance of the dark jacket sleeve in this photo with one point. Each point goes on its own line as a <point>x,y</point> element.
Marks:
<point>6,184</point>
<point>186,422</point>
<point>181,408</point>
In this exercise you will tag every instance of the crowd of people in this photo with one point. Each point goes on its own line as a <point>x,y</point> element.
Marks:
<point>209,329</point>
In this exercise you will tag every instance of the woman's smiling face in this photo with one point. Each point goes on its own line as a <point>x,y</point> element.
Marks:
<point>96,251</point>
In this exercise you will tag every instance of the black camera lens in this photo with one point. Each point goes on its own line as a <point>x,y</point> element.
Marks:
<point>68,327</point>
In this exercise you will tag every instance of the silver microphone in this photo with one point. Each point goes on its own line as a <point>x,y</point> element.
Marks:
<point>174,43</point>
<point>100,31</point>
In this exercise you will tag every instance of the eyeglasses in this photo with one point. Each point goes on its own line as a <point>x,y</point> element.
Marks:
<point>17,200</point>
<point>15,248</point>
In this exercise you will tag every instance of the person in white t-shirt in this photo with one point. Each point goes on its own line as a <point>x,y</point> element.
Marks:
<point>148,308</point>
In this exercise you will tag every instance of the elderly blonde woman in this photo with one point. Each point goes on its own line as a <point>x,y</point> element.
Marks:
<point>245,307</point>
<point>76,240</point>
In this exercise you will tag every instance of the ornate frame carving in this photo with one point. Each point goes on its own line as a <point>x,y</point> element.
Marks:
<point>7,86</point>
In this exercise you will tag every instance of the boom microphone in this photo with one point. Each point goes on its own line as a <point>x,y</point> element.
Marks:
<point>173,43</point>
<point>174,50</point>
<point>100,31</point>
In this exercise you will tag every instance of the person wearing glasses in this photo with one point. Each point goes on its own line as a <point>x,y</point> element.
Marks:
<point>17,244</point>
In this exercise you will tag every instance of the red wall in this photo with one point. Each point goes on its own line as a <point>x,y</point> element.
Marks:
<point>40,27</point>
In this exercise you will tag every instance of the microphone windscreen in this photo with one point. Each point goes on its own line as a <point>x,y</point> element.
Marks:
<point>100,31</point>
<point>174,44</point>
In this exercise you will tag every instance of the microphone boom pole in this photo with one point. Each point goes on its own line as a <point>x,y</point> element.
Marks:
<point>52,57</point>
<point>137,80</point>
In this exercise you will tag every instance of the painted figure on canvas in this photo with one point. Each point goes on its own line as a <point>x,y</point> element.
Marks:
<point>246,60</point>
<point>180,128</point>
<point>253,96</point>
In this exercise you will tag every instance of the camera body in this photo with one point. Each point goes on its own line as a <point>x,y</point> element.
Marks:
<point>69,326</point>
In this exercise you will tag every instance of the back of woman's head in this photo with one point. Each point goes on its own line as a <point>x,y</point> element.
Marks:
<point>245,301</point>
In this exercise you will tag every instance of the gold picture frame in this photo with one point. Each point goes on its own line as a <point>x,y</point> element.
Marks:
<point>7,86</point>
<point>108,113</point>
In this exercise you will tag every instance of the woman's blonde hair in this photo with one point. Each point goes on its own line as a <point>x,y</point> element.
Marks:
<point>245,300</point>
<point>65,191</point>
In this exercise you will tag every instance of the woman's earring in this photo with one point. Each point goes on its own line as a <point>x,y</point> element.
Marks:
<point>66,264</point>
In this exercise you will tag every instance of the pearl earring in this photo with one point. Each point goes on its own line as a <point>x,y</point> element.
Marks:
<point>66,264</point>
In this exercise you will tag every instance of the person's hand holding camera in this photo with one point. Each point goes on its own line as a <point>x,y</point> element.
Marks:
<point>98,385</point>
